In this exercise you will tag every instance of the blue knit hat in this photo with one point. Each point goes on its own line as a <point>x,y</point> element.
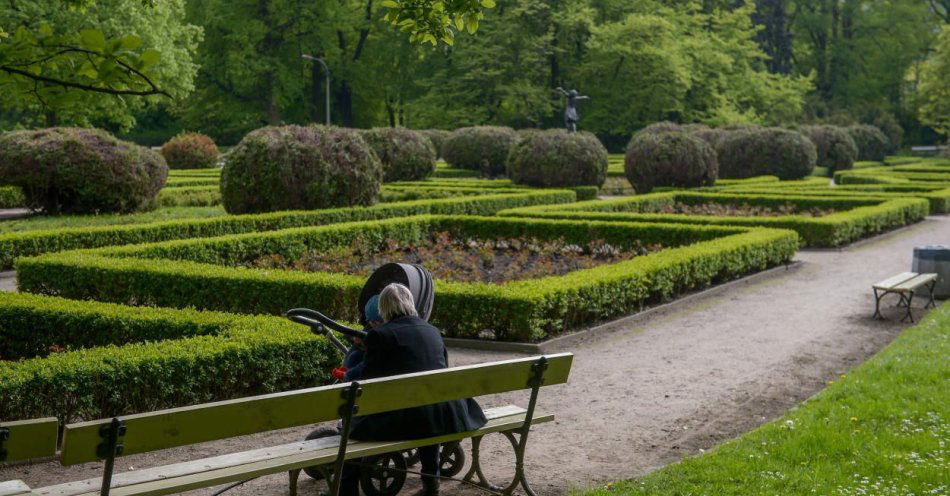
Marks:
<point>371,310</point>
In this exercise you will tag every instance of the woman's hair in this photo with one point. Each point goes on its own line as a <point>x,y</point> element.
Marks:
<point>396,301</point>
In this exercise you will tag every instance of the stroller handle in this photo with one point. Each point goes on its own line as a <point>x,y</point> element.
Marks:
<point>319,328</point>
<point>323,319</point>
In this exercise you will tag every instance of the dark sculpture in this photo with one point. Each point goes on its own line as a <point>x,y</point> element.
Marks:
<point>570,113</point>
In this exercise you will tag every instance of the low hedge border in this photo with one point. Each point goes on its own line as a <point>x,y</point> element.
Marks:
<point>13,245</point>
<point>11,197</point>
<point>202,273</point>
<point>938,196</point>
<point>865,216</point>
<point>144,359</point>
<point>190,196</point>
<point>182,181</point>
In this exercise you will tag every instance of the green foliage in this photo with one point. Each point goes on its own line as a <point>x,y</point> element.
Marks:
<point>934,85</point>
<point>406,155</point>
<point>766,151</point>
<point>671,158</point>
<point>835,148</point>
<point>880,429</point>
<point>190,151</point>
<point>75,170</point>
<point>306,168</point>
<point>157,358</point>
<point>80,63</point>
<point>858,216</point>
<point>481,148</point>
<point>35,242</point>
<point>11,197</point>
<point>437,137</point>
<point>433,21</point>
<point>557,158</point>
<point>871,142</point>
<point>190,196</point>
<point>205,273</point>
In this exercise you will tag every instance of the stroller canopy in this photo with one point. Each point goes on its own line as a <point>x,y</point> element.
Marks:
<point>413,276</point>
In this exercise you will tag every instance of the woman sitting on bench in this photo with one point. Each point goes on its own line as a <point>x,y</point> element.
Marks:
<point>402,345</point>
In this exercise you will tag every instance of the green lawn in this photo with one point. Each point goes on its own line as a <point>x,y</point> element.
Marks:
<point>883,429</point>
<point>57,221</point>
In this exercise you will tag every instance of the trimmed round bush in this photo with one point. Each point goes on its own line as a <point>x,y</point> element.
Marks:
<point>190,151</point>
<point>481,148</point>
<point>669,159</point>
<point>406,155</point>
<point>661,127</point>
<point>766,151</point>
<point>871,142</point>
<point>713,137</point>
<point>557,158</point>
<point>888,125</point>
<point>300,168</point>
<point>437,137</point>
<point>77,170</point>
<point>836,149</point>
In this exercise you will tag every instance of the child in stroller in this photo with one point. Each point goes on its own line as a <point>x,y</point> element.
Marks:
<point>353,361</point>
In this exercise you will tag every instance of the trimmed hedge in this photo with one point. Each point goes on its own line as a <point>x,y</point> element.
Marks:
<point>300,168</point>
<point>190,151</point>
<point>480,148</point>
<point>437,138</point>
<point>871,142</point>
<point>406,155</point>
<point>78,170</point>
<point>766,151</point>
<point>190,196</point>
<point>126,360</point>
<point>939,199</point>
<point>202,272</point>
<point>862,216</point>
<point>18,244</point>
<point>556,158</point>
<point>669,158</point>
<point>11,197</point>
<point>836,149</point>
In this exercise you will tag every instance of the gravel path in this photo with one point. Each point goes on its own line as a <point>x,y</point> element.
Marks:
<point>681,381</point>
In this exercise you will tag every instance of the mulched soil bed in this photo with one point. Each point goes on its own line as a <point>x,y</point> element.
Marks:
<point>489,261</point>
<point>742,210</point>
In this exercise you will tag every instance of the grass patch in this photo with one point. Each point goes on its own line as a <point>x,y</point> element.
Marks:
<point>881,429</point>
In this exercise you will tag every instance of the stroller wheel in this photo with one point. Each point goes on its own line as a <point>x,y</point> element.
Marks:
<point>412,457</point>
<point>453,459</point>
<point>321,472</point>
<point>383,475</point>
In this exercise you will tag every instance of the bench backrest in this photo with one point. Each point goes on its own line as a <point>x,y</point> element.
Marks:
<point>225,419</point>
<point>26,439</point>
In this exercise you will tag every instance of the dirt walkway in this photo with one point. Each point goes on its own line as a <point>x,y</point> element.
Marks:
<point>671,385</point>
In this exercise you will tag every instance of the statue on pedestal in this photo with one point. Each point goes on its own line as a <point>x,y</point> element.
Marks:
<point>570,113</point>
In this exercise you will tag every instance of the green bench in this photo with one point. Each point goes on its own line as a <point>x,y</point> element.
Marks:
<point>26,440</point>
<point>106,439</point>
<point>904,284</point>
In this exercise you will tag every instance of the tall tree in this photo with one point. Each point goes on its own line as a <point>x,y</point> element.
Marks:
<point>775,36</point>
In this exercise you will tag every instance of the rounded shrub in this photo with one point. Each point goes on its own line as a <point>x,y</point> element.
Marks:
<point>77,170</point>
<point>481,148</point>
<point>766,151</point>
<point>871,142</point>
<point>669,159</point>
<point>300,168</point>
<point>437,137</point>
<point>661,127</point>
<point>557,158</point>
<point>406,155</point>
<point>713,137</point>
<point>190,151</point>
<point>836,149</point>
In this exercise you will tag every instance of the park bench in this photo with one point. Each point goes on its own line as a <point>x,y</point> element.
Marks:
<point>107,439</point>
<point>904,284</point>
<point>26,440</point>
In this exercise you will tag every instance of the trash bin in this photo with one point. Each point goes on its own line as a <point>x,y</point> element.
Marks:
<point>934,259</point>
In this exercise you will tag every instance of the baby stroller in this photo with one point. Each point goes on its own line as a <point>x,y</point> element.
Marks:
<point>386,473</point>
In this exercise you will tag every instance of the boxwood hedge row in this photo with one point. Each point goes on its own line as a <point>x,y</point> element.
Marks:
<point>938,196</point>
<point>859,216</point>
<point>17,244</point>
<point>120,360</point>
<point>206,273</point>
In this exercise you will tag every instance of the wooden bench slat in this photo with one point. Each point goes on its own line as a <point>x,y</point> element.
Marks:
<point>239,466</point>
<point>31,438</point>
<point>225,419</point>
<point>915,282</point>
<point>894,280</point>
<point>14,488</point>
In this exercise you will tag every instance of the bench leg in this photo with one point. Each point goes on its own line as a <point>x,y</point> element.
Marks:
<point>520,477</point>
<point>877,304</point>
<point>909,315</point>
<point>932,303</point>
<point>476,468</point>
<point>294,476</point>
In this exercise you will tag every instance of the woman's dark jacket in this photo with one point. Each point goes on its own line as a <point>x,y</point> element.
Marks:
<point>402,346</point>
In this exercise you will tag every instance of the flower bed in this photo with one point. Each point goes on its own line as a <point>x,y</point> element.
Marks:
<point>83,360</point>
<point>202,273</point>
<point>857,216</point>
<point>18,244</point>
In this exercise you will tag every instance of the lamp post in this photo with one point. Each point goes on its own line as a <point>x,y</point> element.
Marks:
<point>326,71</point>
